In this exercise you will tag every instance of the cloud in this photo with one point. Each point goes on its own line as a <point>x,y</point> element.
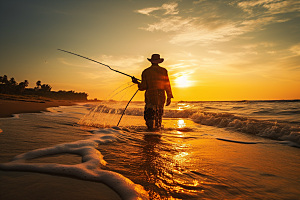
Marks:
<point>295,49</point>
<point>200,33</point>
<point>170,9</point>
<point>199,1</point>
<point>247,5</point>
<point>203,27</point>
<point>261,44</point>
<point>272,6</point>
<point>191,30</point>
<point>215,51</point>
<point>147,11</point>
<point>173,23</point>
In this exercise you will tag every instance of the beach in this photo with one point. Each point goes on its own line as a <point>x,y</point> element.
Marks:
<point>10,107</point>
<point>45,186</point>
<point>206,150</point>
<point>26,185</point>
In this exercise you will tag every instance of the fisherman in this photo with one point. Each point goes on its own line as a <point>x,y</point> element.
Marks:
<point>156,82</point>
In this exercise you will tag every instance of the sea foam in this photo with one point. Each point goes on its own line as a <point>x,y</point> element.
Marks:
<point>89,169</point>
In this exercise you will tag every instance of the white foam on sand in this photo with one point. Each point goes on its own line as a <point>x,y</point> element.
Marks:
<point>89,169</point>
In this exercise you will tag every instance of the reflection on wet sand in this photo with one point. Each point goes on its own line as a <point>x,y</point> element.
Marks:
<point>164,163</point>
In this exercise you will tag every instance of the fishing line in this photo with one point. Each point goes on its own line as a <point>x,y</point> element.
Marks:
<point>116,90</point>
<point>50,55</point>
<point>126,88</point>
<point>94,115</point>
<point>123,90</point>
<point>126,107</point>
<point>108,97</point>
<point>115,107</point>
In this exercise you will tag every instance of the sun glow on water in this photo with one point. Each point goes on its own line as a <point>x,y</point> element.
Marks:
<point>181,123</point>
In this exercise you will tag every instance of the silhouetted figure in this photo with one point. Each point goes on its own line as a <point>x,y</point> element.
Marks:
<point>156,82</point>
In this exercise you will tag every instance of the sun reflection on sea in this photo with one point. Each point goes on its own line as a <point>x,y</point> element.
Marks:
<point>183,106</point>
<point>181,123</point>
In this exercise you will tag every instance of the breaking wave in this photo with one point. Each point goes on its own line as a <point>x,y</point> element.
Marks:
<point>264,128</point>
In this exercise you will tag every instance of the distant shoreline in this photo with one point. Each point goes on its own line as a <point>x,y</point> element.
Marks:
<point>245,101</point>
<point>10,107</point>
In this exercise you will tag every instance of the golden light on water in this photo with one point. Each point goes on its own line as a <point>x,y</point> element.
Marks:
<point>183,106</point>
<point>181,123</point>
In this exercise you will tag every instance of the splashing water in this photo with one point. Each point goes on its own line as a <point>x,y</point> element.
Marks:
<point>108,112</point>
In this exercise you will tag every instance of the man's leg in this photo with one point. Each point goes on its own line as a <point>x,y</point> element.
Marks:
<point>159,111</point>
<point>149,117</point>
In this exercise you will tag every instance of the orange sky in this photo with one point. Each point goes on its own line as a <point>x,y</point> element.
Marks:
<point>213,50</point>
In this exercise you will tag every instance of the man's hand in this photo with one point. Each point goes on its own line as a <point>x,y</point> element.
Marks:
<point>134,80</point>
<point>168,101</point>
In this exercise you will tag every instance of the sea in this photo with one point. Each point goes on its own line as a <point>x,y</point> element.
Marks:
<point>204,150</point>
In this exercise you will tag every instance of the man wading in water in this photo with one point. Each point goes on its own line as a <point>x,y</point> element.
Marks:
<point>156,82</point>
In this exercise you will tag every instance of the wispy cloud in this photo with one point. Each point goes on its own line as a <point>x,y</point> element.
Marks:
<point>272,6</point>
<point>248,5</point>
<point>256,45</point>
<point>215,51</point>
<point>173,23</point>
<point>147,11</point>
<point>170,9</point>
<point>210,28</point>
<point>295,49</point>
<point>199,1</point>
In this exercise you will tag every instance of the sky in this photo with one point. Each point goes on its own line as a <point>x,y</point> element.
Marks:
<point>217,50</point>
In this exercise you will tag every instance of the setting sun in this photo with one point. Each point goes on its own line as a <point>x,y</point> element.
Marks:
<point>182,81</point>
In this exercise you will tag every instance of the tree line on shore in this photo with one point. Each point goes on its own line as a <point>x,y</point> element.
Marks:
<point>10,86</point>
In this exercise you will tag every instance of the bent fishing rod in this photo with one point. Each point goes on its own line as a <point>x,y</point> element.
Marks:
<point>97,62</point>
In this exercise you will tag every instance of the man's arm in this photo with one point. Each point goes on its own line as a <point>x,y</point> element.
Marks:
<point>168,90</point>
<point>141,85</point>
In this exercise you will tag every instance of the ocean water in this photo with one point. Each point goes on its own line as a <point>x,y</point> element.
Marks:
<point>205,150</point>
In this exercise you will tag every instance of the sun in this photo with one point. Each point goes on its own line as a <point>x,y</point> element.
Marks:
<point>182,81</point>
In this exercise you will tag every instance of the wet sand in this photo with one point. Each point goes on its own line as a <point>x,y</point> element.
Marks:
<point>27,185</point>
<point>10,107</point>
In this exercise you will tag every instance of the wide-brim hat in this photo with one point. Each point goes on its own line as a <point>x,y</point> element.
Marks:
<point>155,58</point>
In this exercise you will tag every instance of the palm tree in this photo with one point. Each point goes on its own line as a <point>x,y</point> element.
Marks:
<point>38,84</point>
<point>21,87</point>
<point>12,81</point>
<point>4,79</point>
<point>5,86</point>
<point>46,88</point>
<point>26,83</point>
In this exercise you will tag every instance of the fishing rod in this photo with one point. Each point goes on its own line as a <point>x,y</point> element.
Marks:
<point>110,69</point>
<point>97,62</point>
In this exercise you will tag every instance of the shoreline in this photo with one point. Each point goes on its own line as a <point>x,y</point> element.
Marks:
<point>10,107</point>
